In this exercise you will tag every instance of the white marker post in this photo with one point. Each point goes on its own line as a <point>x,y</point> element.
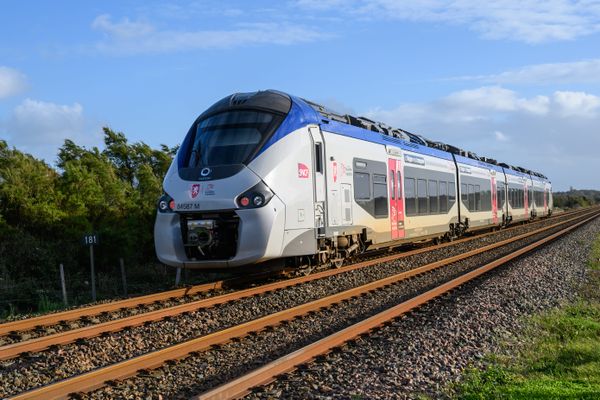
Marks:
<point>91,239</point>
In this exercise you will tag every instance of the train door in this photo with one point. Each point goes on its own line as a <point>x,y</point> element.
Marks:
<point>396,198</point>
<point>318,179</point>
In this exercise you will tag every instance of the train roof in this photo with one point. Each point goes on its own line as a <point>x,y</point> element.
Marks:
<point>468,157</point>
<point>302,112</point>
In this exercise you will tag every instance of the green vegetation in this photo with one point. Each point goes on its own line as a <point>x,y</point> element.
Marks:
<point>561,359</point>
<point>576,198</point>
<point>44,212</point>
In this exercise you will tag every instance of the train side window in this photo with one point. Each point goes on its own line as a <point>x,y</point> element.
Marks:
<point>477,198</point>
<point>471,198</point>
<point>362,186</point>
<point>464,194</point>
<point>499,195</point>
<point>380,194</point>
<point>410,196</point>
<point>319,157</point>
<point>422,195</point>
<point>443,197</point>
<point>451,194</point>
<point>433,197</point>
<point>392,185</point>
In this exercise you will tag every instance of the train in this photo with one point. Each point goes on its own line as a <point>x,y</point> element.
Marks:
<point>268,178</point>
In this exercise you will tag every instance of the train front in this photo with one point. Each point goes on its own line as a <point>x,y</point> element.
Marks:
<point>216,212</point>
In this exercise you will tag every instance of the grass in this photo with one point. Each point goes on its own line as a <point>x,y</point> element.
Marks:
<point>560,358</point>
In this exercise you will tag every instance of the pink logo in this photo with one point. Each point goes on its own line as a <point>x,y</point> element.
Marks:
<point>195,190</point>
<point>302,171</point>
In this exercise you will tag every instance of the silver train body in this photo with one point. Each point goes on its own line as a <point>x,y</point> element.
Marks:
<point>267,176</point>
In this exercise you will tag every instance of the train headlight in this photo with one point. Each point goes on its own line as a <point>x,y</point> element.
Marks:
<point>166,204</point>
<point>256,197</point>
<point>258,200</point>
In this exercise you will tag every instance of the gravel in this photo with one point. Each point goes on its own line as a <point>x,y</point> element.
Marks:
<point>426,350</point>
<point>42,368</point>
<point>341,374</point>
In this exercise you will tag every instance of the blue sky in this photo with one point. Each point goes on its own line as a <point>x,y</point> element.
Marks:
<point>518,81</point>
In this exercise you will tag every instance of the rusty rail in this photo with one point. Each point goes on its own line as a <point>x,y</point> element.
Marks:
<point>96,378</point>
<point>268,373</point>
<point>61,338</point>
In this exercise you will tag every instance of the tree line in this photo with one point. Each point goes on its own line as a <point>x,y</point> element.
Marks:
<point>45,211</point>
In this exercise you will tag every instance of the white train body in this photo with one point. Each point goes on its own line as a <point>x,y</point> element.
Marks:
<point>267,176</point>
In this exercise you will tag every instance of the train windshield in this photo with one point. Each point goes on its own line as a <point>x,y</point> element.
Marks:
<point>230,137</point>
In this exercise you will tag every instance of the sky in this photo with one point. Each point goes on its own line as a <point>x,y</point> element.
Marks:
<point>517,81</point>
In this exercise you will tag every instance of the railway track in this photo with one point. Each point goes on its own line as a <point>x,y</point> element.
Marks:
<point>83,317</point>
<point>42,342</point>
<point>512,246</point>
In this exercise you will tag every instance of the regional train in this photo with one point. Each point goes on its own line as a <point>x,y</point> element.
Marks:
<point>266,177</point>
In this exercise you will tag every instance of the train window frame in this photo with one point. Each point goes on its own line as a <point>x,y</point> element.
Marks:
<point>433,199</point>
<point>410,202</point>
<point>361,190</point>
<point>380,196</point>
<point>443,196</point>
<point>471,197</point>
<point>422,200</point>
<point>451,194</point>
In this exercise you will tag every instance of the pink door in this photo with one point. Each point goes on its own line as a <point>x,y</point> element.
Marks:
<point>494,201</point>
<point>396,198</point>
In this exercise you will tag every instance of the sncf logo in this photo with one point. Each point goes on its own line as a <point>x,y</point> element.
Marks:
<point>195,190</point>
<point>302,171</point>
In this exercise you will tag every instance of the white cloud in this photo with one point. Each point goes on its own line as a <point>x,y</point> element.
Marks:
<point>12,82</point>
<point>496,98</point>
<point>40,128</point>
<point>585,71</point>
<point>556,133</point>
<point>136,37</point>
<point>577,104</point>
<point>530,21</point>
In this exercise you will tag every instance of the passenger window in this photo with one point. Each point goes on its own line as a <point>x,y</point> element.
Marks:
<point>362,186</point>
<point>443,197</point>
<point>380,195</point>
<point>464,194</point>
<point>392,185</point>
<point>451,194</point>
<point>433,197</point>
<point>422,194</point>
<point>471,198</point>
<point>410,196</point>
<point>477,198</point>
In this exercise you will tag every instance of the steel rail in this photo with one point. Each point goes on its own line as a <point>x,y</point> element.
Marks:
<point>61,338</point>
<point>96,378</point>
<point>268,373</point>
<point>78,313</point>
<point>12,327</point>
